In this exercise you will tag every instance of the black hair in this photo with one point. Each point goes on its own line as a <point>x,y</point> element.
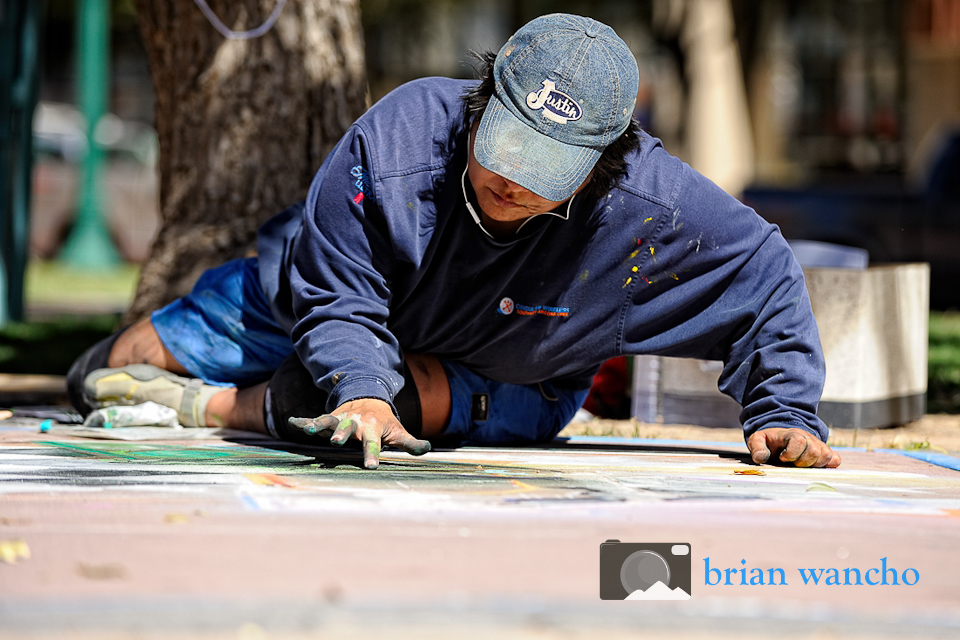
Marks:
<point>612,164</point>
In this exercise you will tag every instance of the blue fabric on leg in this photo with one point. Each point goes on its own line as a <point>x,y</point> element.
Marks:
<point>509,413</point>
<point>223,331</point>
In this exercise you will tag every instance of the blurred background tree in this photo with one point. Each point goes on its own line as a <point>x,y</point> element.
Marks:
<point>242,122</point>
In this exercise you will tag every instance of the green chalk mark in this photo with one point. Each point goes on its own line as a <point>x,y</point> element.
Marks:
<point>171,454</point>
<point>98,452</point>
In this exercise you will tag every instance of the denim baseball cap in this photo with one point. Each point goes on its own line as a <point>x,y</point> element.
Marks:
<point>565,88</point>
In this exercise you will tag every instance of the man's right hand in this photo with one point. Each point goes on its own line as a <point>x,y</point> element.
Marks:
<point>370,421</point>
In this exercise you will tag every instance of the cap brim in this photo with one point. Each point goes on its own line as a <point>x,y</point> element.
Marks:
<point>511,148</point>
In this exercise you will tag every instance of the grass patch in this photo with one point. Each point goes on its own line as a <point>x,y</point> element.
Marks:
<point>943,384</point>
<point>55,284</point>
<point>51,346</point>
<point>75,308</point>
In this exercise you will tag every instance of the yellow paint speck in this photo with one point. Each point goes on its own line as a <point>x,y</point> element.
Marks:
<point>176,518</point>
<point>12,551</point>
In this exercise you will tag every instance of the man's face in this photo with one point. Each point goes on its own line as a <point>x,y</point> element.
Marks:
<point>504,204</point>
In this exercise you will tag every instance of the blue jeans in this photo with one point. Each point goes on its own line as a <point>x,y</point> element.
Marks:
<point>223,331</point>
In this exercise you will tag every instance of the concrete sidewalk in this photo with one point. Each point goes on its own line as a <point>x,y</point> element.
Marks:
<point>234,536</point>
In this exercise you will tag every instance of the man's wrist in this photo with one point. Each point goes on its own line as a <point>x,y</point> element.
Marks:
<point>791,425</point>
<point>360,388</point>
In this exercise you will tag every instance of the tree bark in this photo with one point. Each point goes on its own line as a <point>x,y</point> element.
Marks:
<point>242,124</point>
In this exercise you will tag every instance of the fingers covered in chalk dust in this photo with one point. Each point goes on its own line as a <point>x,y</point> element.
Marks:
<point>371,422</point>
<point>791,446</point>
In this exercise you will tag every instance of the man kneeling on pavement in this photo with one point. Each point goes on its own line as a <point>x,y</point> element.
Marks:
<point>466,258</point>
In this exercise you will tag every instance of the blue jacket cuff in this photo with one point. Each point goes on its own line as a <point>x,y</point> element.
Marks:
<point>359,387</point>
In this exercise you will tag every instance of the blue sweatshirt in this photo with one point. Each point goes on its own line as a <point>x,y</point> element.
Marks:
<point>383,257</point>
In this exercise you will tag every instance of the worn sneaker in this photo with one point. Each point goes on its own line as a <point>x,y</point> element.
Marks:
<point>138,383</point>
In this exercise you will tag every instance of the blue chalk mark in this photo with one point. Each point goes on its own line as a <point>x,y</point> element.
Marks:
<point>249,502</point>
<point>939,459</point>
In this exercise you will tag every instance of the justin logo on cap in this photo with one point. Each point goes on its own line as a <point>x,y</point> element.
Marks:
<point>556,105</point>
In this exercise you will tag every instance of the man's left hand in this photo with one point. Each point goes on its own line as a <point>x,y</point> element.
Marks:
<point>793,446</point>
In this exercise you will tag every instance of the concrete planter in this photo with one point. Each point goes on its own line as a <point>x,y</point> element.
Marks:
<point>873,325</point>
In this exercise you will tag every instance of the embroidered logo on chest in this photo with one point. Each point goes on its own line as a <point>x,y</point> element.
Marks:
<point>555,105</point>
<point>507,307</point>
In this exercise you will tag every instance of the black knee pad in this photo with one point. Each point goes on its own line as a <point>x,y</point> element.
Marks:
<point>96,357</point>
<point>293,395</point>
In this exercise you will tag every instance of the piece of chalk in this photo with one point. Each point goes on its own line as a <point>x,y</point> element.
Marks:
<point>45,426</point>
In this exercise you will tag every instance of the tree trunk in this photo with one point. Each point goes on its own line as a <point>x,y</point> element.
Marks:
<point>242,124</point>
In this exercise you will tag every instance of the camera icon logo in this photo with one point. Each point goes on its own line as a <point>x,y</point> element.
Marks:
<point>644,571</point>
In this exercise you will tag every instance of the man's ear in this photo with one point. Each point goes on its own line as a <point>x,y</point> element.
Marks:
<point>583,185</point>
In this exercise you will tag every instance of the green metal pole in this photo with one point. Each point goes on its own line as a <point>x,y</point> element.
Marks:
<point>19,33</point>
<point>23,176</point>
<point>89,245</point>
<point>8,41</point>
